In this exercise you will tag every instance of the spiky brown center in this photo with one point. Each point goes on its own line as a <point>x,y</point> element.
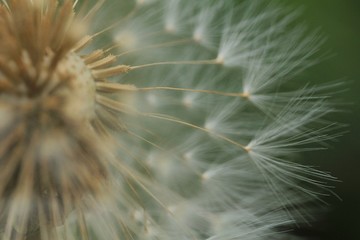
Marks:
<point>50,156</point>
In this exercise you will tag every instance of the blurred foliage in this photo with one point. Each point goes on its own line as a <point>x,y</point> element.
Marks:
<point>339,21</point>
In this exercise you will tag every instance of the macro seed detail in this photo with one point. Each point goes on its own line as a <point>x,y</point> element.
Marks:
<point>169,122</point>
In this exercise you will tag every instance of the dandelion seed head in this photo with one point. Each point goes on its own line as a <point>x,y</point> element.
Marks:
<point>167,123</point>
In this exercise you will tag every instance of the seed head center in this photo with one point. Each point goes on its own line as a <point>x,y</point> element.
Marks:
<point>81,89</point>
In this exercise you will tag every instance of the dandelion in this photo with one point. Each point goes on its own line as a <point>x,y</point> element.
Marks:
<point>156,119</point>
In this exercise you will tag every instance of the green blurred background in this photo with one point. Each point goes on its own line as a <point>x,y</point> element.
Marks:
<point>339,21</point>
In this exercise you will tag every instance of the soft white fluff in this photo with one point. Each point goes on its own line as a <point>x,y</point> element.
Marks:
<point>205,165</point>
